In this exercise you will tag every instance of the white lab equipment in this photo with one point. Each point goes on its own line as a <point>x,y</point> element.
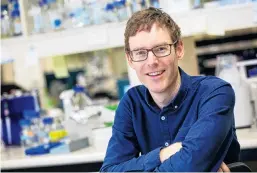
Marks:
<point>75,102</point>
<point>80,99</point>
<point>82,119</point>
<point>227,70</point>
<point>248,71</point>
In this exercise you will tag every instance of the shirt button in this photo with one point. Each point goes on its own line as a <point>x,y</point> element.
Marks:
<point>176,107</point>
<point>166,144</point>
<point>163,118</point>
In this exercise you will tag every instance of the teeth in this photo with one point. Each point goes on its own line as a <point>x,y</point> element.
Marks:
<point>155,73</point>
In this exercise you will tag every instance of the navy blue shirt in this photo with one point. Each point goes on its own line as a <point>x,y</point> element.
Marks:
<point>200,116</point>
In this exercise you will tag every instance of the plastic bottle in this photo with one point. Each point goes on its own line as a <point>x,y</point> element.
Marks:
<point>34,119</point>
<point>35,13</point>
<point>110,16</point>
<point>27,135</point>
<point>45,16</point>
<point>48,127</point>
<point>121,9</point>
<point>136,6</point>
<point>16,22</point>
<point>14,9</point>
<point>5,22</point>
<point>87,13</point>
<point>155,3</point>
<point>77,13</point>
<point>54,15</point>
<point>97,12</point>
<point>129,8</point>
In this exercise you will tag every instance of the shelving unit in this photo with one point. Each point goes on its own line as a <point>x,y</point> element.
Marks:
<point>70,41</point>
<point>214,21</point>
<point>194,24</point>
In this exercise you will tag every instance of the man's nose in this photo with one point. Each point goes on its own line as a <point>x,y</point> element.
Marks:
<point>152,59</point>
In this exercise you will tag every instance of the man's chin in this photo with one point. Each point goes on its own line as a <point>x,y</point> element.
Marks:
<point>156,89</point>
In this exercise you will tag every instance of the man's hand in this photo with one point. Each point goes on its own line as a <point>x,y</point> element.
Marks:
<point>169,151</point>
<point>172,149</point>
<point>223,168</point>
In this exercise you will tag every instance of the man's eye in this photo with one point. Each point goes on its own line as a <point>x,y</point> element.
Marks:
<point>161,49</point>
<point>140,52</point>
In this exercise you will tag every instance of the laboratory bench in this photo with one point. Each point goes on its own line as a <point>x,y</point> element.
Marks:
<point>90,159</point>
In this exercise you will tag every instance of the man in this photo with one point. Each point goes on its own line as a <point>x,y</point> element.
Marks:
<point>173,122</point>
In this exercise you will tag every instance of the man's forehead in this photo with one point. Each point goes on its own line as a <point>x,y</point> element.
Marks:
<point>145,41</point>
<point>155,32</point>
<point>149,27</point>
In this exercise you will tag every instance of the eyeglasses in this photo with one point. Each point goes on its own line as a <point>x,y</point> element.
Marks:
<point>158,51</point>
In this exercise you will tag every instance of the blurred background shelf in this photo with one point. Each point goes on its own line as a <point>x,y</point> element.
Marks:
<point>215,20</point>
<point>67,42</point>
<point>198,23</point>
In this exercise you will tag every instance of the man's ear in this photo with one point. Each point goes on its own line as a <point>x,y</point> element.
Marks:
<point>180,50</point>
<point>129,60</point>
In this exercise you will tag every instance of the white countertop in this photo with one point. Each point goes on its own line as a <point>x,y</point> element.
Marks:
<point>14,157</point>
<point>247,138</point>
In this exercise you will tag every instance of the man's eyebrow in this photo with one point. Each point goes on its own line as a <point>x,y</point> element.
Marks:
<point>159,44</point>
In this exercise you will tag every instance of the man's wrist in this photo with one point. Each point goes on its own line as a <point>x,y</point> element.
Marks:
<point>162,155</point>
<point>169,151</point>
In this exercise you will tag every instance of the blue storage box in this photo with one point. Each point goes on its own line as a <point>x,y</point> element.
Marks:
<point>12,111</point>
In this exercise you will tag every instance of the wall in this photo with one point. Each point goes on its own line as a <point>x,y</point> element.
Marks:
<point>189,62</point>
<point>7,73</point>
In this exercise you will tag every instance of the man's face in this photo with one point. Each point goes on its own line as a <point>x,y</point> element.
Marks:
<point>157,74</point>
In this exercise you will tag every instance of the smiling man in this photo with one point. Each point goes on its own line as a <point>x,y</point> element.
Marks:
<point>173,122</point>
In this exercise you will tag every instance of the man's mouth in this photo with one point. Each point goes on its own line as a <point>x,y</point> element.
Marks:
<point>156,73</point>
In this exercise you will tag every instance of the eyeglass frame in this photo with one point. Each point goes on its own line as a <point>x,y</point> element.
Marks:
<point>150,50</point>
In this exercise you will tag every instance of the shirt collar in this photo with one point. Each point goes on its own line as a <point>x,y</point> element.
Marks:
<point>178,99</point>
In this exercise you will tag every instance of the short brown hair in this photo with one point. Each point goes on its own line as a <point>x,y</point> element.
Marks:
<point>144,19</point>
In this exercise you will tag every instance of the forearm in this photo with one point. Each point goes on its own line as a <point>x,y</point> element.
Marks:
<point>198,155</point>
<point>147,162</point>
<point>169,151</point>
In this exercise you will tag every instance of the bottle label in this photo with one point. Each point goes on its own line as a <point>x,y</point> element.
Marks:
<point>57,135</point>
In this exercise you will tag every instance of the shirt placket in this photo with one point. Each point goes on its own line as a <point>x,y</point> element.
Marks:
<point>165,130</point>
